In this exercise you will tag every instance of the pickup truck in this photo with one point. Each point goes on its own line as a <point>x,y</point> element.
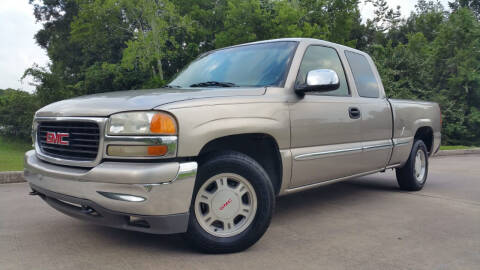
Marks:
<point>208,154</point>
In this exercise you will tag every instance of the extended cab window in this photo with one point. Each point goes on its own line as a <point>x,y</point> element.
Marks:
<point>367,85</point>
<point>320,57</point>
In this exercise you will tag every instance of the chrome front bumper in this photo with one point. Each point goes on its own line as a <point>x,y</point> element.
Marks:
<point>146,190</point>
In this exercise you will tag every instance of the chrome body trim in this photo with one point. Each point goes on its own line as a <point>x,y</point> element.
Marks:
<point>316,155</point>
<point>402,141</point>
<point>70,162</point>
<point>185,171</point>
<point>169,141</point>
<point>377,147</point>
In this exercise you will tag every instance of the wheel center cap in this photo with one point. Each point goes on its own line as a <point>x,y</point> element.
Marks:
<point>225,204</point>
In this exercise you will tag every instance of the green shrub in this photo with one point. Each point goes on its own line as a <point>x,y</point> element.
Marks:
<point>16,113</point>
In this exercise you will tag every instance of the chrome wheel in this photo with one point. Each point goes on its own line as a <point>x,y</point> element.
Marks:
<point>225,205</point>
<point>420,165</point>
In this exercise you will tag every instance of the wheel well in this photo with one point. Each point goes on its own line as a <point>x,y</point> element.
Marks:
<point>261,147</point>
<point>426,135</point>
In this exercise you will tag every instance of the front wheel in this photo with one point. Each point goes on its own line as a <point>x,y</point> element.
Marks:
<point>232,204</point>
<point>413,175</point>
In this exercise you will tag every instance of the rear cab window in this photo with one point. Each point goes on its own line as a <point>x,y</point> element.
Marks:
<point>365,80</point>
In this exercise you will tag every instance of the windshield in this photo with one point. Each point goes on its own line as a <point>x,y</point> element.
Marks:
<point>264,64</point>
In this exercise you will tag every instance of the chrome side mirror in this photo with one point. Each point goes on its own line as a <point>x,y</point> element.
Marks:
<point>319,80</point>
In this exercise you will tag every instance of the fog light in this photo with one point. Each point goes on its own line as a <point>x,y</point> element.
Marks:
<point>137,150</point>
<point>121,197</point>
<point>138,222</point>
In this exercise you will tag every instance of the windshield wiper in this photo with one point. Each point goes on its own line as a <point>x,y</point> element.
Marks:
<point>213,83</point>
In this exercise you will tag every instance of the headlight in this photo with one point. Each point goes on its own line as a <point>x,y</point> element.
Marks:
<point>142,123</point>
<point>141,135</point>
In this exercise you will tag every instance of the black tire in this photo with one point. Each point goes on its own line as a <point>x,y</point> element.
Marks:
<point>406,177</point>
<point>240,164</point>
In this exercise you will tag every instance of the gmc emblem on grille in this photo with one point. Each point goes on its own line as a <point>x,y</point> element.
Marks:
<point>57,138</point>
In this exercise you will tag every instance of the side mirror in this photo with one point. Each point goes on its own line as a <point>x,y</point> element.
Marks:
<point>319,80</point>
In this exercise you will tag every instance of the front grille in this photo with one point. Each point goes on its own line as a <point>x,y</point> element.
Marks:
<point>83,140</point>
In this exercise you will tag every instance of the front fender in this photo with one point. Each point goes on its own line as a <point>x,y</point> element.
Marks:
<point>200,125</point>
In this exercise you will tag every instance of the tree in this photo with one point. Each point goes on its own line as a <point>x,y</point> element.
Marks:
<point>385,18</point>
<point>436,58</point>
<point>159,32</point>
<point>105,45</point>
<point>473,5</point>
<point>457,52</point>
<point>16,112</point>
<point>245,21</point>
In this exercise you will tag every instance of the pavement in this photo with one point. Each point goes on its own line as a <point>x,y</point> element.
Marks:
<point>365,223</point>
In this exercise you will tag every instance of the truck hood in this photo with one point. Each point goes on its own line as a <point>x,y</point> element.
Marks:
<point>106,104</point>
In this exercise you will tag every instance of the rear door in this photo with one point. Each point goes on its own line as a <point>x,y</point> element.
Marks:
<point>326,139</point>
<point>377,123</point>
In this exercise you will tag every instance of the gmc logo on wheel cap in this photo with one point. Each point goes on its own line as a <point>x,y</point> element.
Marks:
<point>57,138</point>
<point>225,204</point>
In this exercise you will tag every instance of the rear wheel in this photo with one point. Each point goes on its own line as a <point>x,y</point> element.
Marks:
<point>413,175</point>
<point>232,204</point>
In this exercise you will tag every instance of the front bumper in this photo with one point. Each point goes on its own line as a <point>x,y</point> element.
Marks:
<point>149,197</point>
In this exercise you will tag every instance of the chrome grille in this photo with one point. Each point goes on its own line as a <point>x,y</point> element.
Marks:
<point>83,139</point>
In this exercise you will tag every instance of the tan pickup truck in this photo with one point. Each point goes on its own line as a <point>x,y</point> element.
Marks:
<point>208,154</point>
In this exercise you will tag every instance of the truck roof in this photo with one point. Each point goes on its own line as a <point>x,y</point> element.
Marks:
<point>302,40</point>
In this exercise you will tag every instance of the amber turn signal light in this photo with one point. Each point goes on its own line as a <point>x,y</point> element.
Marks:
<point>158,150</point>
<point>137,150</point>
<point>163,123</point>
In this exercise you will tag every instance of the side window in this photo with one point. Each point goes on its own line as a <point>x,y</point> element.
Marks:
<point>367,85</point>
<point>319,57</point>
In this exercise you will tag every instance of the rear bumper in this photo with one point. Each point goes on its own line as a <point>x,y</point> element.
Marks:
<point>437,141</point>
<point>158,194</point>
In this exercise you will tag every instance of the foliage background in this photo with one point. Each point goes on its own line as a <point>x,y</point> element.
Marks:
<point>108,45</point>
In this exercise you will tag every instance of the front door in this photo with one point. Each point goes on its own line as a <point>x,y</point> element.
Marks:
<point>325,131</point>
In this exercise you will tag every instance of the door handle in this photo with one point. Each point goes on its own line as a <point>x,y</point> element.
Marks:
<point>354,112</point>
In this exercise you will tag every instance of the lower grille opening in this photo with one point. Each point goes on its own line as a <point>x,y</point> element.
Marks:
<point>90,211</point>
<point>138,222</point>
<point>82,208</point>
<point>79,206</point>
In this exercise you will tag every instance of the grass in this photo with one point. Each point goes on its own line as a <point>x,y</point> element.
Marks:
<point>455,147</point>
<point>11,154</point>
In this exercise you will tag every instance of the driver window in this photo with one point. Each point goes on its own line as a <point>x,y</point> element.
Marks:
<point>320,57</point>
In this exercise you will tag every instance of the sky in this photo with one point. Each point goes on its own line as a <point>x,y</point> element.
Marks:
<point>18,50</point>
<point>407,6</point>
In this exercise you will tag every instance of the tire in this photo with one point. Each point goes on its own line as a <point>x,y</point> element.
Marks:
<point>232,204</point>
<point>409,177</point>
